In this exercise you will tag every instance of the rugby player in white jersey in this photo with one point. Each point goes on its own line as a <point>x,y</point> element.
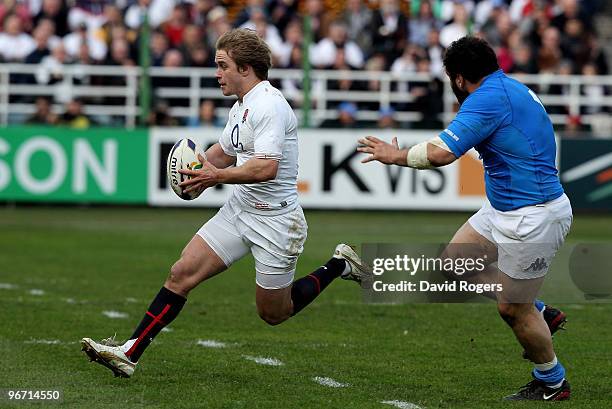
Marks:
<point>257,152</point>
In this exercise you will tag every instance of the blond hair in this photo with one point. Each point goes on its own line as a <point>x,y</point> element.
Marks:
<point>245,47</point>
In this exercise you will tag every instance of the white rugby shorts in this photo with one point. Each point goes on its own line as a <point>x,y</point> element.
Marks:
<point>276,241</point>
<point>527,238</point>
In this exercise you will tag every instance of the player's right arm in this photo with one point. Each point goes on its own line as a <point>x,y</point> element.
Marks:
<point>477,119</point>
<point>218,158</point>
<point>433,153</point>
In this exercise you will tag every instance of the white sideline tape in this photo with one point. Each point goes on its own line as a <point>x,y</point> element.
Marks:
<point>264,361</point>
<point>115,314</point>
<point>211,343</point>
<point>329,382</point>
<point>400,404</point>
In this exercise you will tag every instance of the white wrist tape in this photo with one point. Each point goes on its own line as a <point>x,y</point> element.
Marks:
<point>417,157</point>
<point>417,154</point>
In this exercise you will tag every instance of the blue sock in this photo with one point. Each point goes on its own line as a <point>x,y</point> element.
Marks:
<point>551,377</point>
<point>539,304</point>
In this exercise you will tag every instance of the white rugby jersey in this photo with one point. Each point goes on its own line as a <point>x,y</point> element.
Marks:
<point>263,125</point>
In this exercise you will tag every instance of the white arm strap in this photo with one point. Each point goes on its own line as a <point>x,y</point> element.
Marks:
<point>417,154</point>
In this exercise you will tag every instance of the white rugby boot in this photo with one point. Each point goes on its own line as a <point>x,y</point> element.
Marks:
<point>358,270</point>
<point>110,354</point>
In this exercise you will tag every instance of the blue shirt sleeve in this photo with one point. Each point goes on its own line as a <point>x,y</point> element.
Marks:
<point>478,118</point>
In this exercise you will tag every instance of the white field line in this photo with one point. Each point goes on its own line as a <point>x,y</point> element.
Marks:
<point>36,291</point>
<point>71,300</point>
<point>48,342</point>
<point>329,382</point>
<point>264,361</point>
<point>401,404</point>
<point>44,341</point>
<point>114,314</point>
<point>211,343</point>
<point>7,286</point>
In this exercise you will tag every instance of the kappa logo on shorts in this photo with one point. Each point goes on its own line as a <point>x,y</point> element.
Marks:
<point>538,265</point>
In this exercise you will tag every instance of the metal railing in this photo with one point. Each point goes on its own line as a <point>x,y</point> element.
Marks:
<point>111,93</point>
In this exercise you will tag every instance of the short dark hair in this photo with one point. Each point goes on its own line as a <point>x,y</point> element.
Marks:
<point>472,57</point>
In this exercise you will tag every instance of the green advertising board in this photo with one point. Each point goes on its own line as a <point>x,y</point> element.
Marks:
<point>586,173</point>
<point>54,164</point>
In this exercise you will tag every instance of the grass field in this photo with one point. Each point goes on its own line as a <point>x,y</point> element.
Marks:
<point>60,268</point>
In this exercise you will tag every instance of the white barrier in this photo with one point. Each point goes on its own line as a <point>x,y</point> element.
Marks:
<point>332,176</point>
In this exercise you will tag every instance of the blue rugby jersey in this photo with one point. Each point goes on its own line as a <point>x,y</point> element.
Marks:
<point>508,126</point>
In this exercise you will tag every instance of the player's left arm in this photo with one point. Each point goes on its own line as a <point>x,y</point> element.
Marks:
<point>425,155</point>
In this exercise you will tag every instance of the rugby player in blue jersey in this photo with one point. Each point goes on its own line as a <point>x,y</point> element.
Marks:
<point>527,214</point>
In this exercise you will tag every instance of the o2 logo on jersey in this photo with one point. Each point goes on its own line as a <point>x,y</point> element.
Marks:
<point>236,138</point>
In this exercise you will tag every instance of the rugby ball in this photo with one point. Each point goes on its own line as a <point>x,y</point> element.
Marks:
<point>183,155</point>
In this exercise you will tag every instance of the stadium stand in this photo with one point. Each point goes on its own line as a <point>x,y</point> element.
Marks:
<point>381,57</point>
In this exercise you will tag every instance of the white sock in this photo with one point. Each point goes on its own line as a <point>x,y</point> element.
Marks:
<point>547,366</point>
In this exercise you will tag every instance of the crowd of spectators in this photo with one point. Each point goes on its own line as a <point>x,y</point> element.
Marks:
<point>529,36</point>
